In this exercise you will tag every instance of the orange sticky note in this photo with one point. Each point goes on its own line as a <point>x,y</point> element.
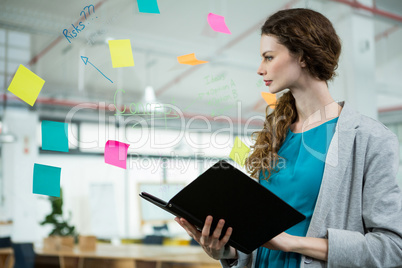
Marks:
<point>26,85</point>
<point>121,53</point>
<point>269,98</point>
<point>190,59</point>
<point>239,152</point>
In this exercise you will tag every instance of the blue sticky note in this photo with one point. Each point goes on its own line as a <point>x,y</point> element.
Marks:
<point>54,136</point>
<point>148,6</point>
<point>46,180</point>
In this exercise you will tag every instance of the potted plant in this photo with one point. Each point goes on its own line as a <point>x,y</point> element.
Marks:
<point>63,235</point>
<point>87,243</point>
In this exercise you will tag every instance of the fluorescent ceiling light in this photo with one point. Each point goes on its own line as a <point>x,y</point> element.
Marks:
<point>149,95</point>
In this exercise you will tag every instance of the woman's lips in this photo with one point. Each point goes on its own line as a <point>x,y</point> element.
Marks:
<point>268,82</point>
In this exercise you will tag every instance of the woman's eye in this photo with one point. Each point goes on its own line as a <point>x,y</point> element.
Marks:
<point>269,58</point>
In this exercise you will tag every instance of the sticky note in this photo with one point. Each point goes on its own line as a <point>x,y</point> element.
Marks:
<point>148,6</point>
<point>217,23</point>
<point>121,53</point>
<point>239,152</point>
<point>26,85</point>
<point>116,153</point>
<point>54,136</point>
<point>269,98</point>
<point>190,59</point>
<point>46,180</point>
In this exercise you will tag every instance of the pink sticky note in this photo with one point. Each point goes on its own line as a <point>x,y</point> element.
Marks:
<point>116,153</point>
<point>217,23</point>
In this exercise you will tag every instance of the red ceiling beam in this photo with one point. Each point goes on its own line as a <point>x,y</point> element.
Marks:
<point>386,33</point>
<point>374,10</point>
<point>390,109</point>
<point>105,106</point>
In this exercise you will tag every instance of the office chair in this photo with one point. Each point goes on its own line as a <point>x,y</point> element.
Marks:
<point>161,230</point>
<point>153,240</point>
<point>24,255</point>
<point>5,242</point>
<point>194,243</point>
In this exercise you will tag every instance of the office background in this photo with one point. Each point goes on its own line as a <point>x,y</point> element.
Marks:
<point>217,101</point>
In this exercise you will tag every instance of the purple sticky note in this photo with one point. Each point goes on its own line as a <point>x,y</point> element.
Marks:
<point>217,23</point>
<point>116,153</point>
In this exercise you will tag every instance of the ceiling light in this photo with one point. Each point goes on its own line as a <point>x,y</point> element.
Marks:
<point>149,95</point>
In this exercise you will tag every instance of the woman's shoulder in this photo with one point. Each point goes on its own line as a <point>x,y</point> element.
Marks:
<point>371,127</point>
<point>364,124</point>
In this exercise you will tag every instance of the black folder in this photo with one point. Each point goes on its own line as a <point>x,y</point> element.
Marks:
<point>255,213</point>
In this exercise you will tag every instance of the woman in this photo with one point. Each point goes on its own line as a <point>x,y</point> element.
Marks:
<point>340,168</point>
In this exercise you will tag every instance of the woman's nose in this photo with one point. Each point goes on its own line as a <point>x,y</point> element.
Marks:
<point>261,70</point>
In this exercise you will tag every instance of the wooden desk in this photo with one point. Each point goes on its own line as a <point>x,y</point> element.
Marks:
<point>134,256</point>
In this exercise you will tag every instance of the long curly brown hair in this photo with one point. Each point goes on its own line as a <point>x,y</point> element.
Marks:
<point>310,37</point>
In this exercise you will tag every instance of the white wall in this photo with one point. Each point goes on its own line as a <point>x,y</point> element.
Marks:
<point>78,172</point>
<point>20,205</point>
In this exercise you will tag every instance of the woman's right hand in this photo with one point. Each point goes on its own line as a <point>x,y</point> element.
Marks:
<point>214,247</point>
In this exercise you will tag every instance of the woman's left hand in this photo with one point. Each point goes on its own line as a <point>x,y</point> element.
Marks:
<point>282,241</point>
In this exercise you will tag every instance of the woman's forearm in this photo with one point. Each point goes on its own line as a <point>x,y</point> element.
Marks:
<point>316,248</point>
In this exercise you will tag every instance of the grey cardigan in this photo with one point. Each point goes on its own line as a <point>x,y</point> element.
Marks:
<point>359,205</point>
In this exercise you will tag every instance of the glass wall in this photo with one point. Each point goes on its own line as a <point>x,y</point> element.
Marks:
<point>161,161</point>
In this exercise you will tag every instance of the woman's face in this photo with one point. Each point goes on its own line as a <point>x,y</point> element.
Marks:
<point>278,68</point>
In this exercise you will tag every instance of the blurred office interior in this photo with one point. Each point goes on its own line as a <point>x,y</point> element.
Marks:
<point>215,102</point>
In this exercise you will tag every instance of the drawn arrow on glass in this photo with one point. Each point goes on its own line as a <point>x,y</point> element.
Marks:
<point>85,60</point>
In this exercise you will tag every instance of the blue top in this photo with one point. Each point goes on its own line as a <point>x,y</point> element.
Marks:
<point>297,182</point>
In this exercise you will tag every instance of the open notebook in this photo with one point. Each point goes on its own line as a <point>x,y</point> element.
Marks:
<point>255,213</point>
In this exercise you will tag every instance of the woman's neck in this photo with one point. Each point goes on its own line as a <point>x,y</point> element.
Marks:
<point>314,104</point>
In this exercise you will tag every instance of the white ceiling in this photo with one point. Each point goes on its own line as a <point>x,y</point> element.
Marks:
<point>157,40</point>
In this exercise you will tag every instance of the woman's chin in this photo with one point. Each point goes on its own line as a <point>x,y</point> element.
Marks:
<point>272,90</point>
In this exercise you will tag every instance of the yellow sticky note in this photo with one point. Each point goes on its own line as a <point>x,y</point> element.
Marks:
<point>239,152</point>
<point>26,85</point>
<point>190,59</point>
<point>269,98</point>
<point>121,53</point>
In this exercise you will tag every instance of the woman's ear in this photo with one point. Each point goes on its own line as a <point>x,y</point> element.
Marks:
<point>302,63</point>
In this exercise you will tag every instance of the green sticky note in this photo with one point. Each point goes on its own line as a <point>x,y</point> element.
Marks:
<point>26,85</point>
<point>46,180</point>
<point>239,152</point>
<point>148,6</point>
<point>54,136</point>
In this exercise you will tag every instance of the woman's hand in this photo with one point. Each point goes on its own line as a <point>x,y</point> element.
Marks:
<point>214,247</point>
<point>282,241</point>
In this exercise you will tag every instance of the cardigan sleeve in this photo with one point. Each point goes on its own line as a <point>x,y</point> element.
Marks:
<point>244,260</point>
<point>381,245</point>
